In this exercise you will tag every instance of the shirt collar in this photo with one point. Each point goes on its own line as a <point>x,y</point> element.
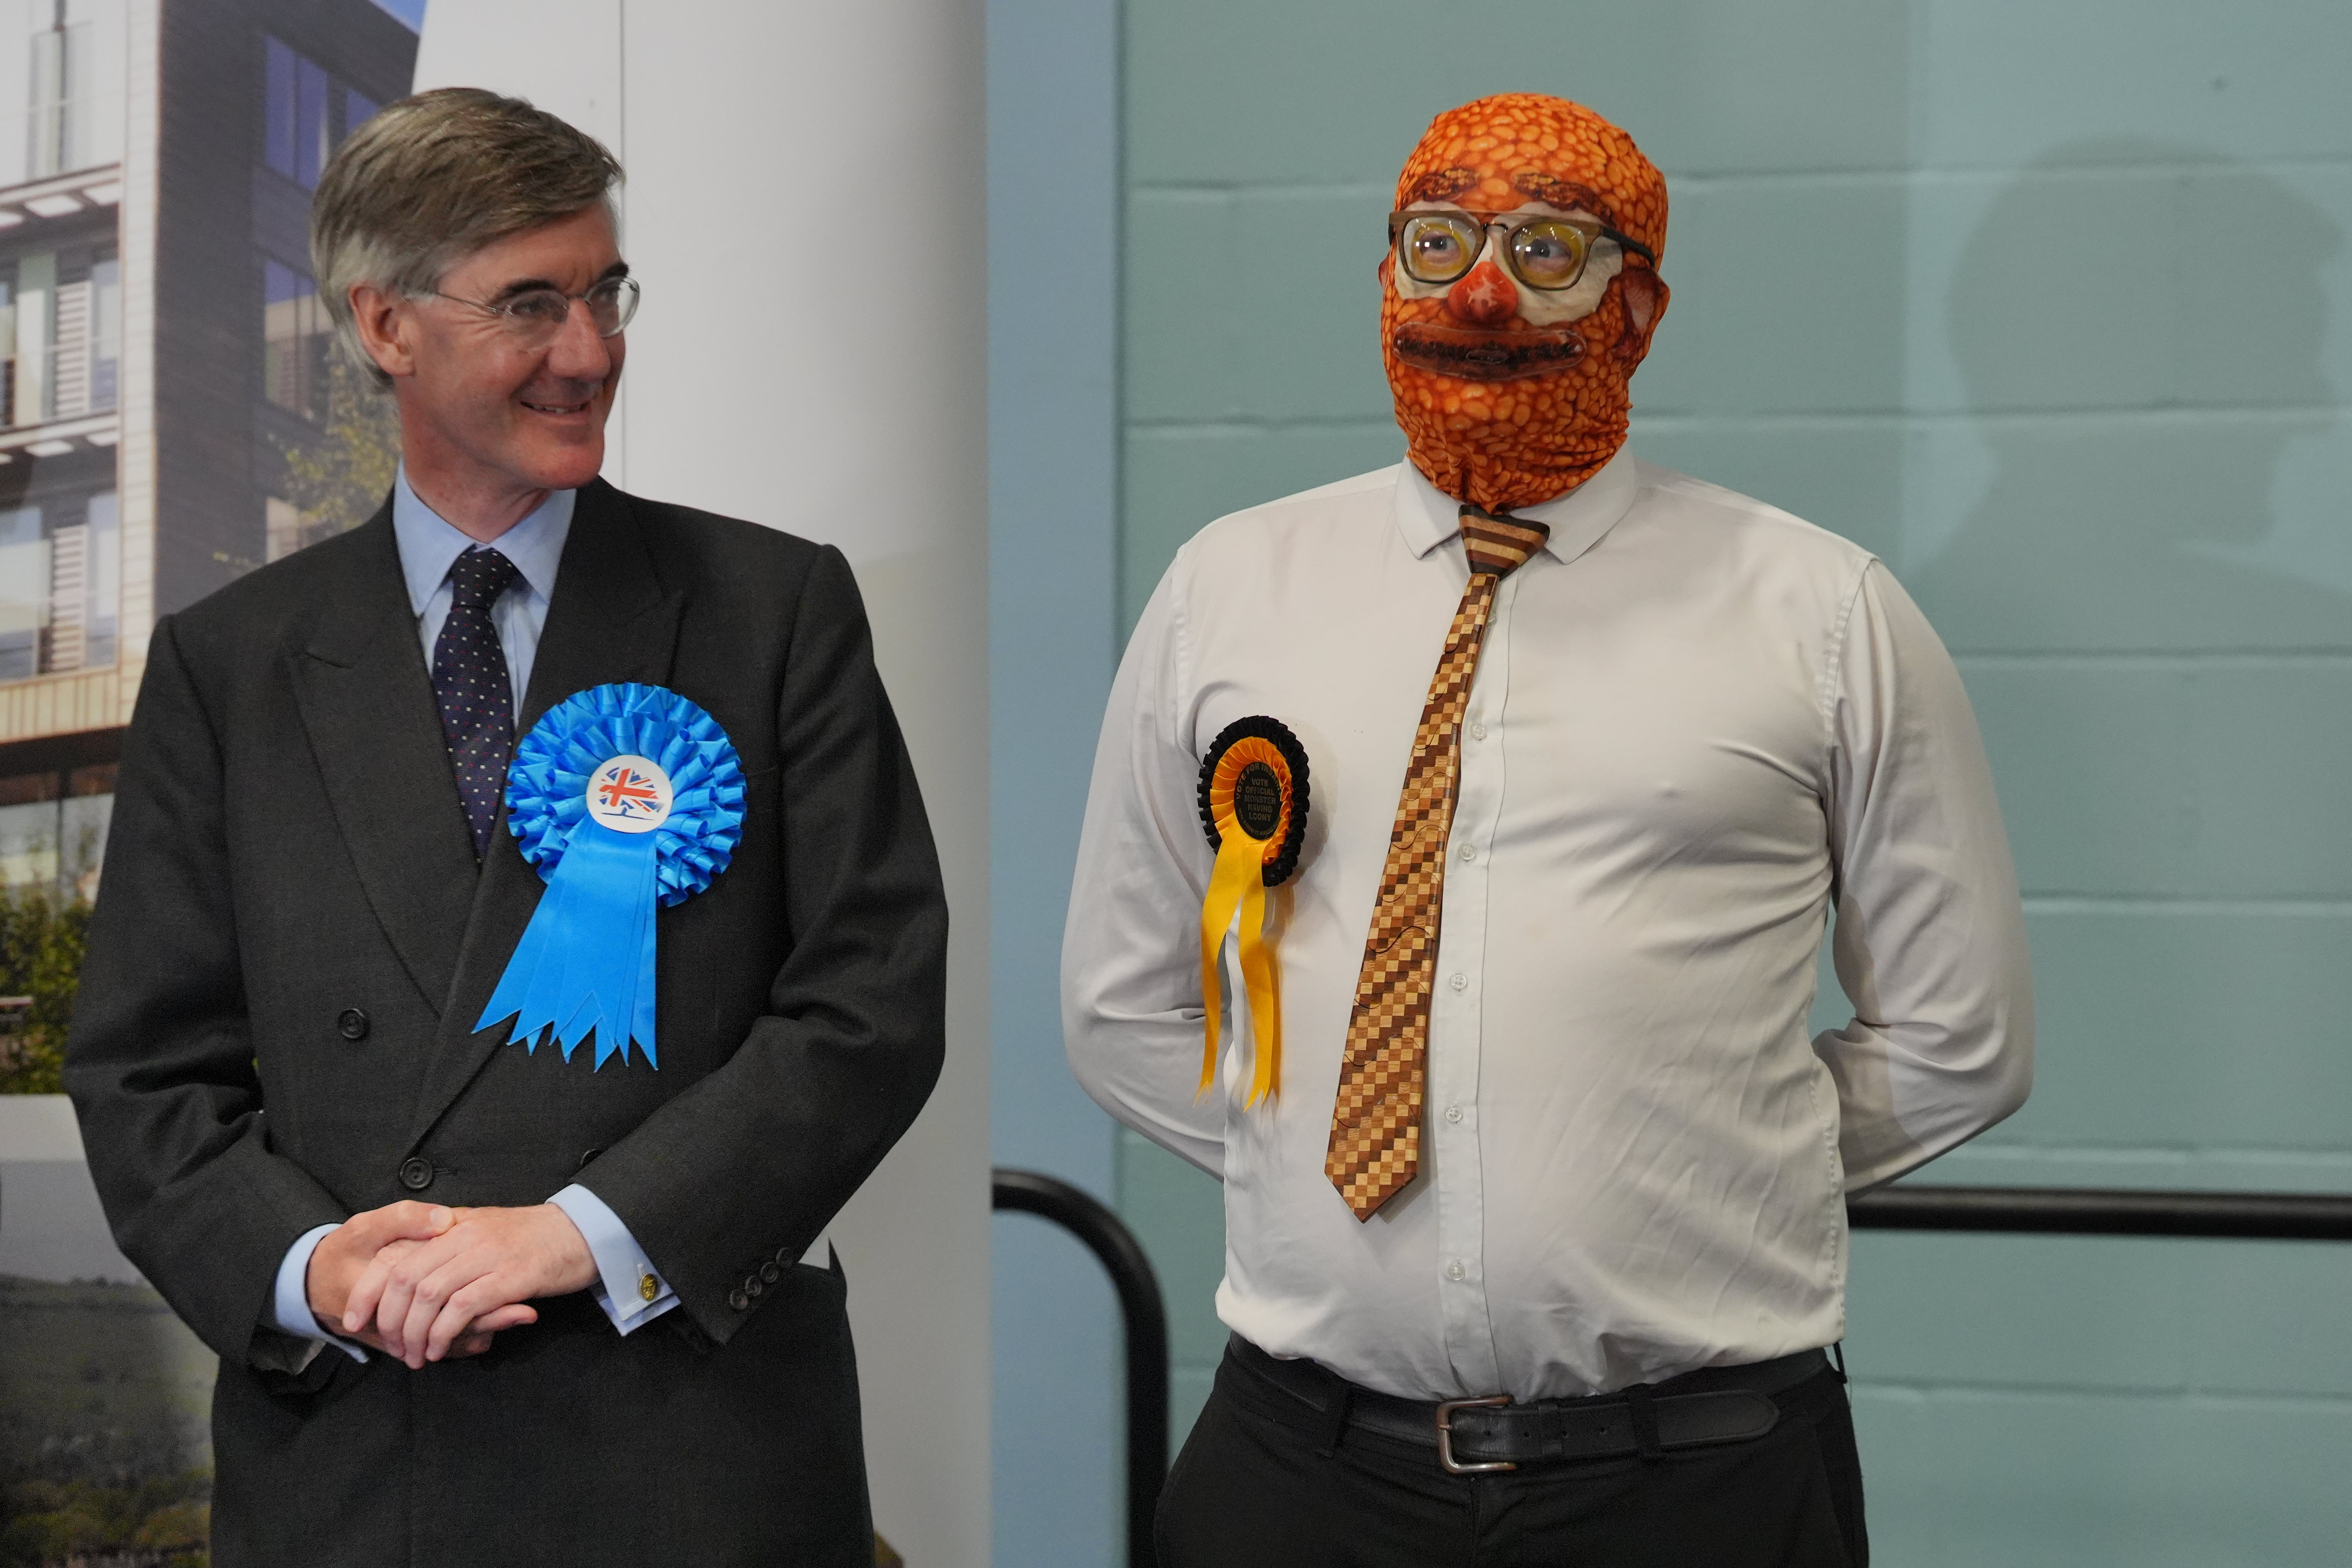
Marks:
<point>1428,517</point>
<point>429,545</point>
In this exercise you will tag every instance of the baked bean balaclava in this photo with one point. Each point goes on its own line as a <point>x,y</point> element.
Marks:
<point>1510,395</point>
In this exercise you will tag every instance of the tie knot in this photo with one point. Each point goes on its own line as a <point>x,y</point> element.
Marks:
<point>1499,545</point>
<point>478,577</point>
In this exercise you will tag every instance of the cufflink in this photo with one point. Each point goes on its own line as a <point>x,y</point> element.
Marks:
<point>647,1287</point>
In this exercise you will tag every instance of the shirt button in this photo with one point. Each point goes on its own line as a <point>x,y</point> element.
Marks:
<point>1453,1113</point>
<point>416,1174</point>
<point>1477,731</point>
<point>1469,852</point>
<point>1455,1270</point>
<point>353,1025</point>
<point>1459,982</point>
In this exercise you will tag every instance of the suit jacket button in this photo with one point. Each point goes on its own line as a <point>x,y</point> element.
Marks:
<point>585,1159</point>
<point>771,1273</point>
<point>416,1174</point>
<point>736,1300</point>
<point>353,1025</point>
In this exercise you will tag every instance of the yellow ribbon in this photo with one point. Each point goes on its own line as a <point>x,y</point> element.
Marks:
<point>1238,885</point>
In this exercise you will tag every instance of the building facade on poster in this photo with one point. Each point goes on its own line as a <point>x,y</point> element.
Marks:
<point>171,415</point>
<point>169,418</point>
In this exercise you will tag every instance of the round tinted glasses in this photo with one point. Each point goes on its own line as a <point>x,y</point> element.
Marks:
<point>1543,250</point>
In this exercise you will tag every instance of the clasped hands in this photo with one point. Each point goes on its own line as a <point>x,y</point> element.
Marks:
<point>423,1282</point>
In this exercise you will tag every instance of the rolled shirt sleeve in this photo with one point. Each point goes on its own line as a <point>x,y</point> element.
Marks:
<point>1930,937</point>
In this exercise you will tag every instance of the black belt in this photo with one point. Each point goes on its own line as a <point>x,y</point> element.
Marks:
<point>1696,1410</point>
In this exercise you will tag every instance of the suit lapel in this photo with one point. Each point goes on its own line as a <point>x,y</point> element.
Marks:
<point>612,619</point>
<point>366,702</point>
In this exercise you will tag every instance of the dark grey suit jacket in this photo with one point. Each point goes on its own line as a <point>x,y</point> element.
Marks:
<point>289,867</point>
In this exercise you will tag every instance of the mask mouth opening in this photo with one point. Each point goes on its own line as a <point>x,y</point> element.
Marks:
<point>1470,353</point>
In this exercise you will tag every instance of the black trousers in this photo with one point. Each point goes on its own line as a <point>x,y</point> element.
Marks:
<point>1257,1484</point>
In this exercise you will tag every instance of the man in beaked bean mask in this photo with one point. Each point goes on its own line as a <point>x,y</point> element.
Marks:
<point>1534,1179</point>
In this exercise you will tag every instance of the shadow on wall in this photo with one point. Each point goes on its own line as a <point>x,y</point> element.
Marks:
<point>2140,328</point>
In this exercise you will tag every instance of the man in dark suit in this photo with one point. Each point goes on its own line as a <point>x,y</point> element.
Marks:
<point>481,1299</point>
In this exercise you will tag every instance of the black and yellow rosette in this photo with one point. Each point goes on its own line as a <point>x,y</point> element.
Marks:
<point>1254,808</point>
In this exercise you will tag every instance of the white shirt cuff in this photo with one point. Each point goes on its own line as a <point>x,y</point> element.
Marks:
<point>289,1307</point>
<point>630,1290</point>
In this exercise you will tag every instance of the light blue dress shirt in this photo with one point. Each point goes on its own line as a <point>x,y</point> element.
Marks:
<point>430,546</point>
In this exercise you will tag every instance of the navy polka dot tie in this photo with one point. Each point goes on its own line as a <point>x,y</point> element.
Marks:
<point>471,685</point>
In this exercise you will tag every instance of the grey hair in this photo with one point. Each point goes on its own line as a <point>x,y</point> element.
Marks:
<point>431,179</point>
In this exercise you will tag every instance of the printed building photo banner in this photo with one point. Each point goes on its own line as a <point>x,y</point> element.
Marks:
<point>171,417</point>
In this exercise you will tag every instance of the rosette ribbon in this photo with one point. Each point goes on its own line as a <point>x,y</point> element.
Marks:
<point>1254,808</point>
<point>626,797</point>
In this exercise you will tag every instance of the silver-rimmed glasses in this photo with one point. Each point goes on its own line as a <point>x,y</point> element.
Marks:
<point>536,316</point>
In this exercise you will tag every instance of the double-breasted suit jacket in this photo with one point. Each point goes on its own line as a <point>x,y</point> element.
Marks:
<point>276,1030</point>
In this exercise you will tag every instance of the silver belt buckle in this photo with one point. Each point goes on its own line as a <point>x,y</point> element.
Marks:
<point>1445,1436</point>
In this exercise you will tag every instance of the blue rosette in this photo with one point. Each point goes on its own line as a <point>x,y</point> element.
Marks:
<point>627,798</point>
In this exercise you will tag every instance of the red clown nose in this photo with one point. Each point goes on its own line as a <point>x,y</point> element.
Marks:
<point>1484,298</point>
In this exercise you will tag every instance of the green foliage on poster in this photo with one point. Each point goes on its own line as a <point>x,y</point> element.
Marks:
<point>103,1401</point>
<point>340,478</point>
<point>42,933</point>
<point>161,1522</point>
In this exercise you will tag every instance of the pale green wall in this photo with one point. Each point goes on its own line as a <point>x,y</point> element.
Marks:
<point>2047,303</point>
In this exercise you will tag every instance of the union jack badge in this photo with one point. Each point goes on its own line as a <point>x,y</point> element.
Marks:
<point>629,794</point>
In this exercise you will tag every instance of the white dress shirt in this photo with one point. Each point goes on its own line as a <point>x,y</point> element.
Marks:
<point>1696,722</point>
<point>429,545</point>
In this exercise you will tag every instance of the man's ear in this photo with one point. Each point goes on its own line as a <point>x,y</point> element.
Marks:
<point>1645,295</point>
<point>377,317</point>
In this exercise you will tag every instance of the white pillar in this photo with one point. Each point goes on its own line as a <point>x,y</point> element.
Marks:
<point>805,208</point>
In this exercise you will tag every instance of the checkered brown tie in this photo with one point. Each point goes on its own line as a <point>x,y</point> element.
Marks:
<point>1376,1123</point>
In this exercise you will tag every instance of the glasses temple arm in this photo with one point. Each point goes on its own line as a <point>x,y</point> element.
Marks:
<point>1627,242</point>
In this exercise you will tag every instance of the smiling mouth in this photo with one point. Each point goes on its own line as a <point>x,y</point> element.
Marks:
<point>579,408</point>
<point>1474,356</point>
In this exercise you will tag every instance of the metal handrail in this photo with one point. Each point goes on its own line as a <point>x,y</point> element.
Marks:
<point>1145,1315</point>
<point>2107,1211</point>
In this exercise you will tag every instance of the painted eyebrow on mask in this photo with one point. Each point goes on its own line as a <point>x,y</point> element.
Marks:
<point>1566,194</point>
<point>529,285</point>
<point>1442,184</point>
